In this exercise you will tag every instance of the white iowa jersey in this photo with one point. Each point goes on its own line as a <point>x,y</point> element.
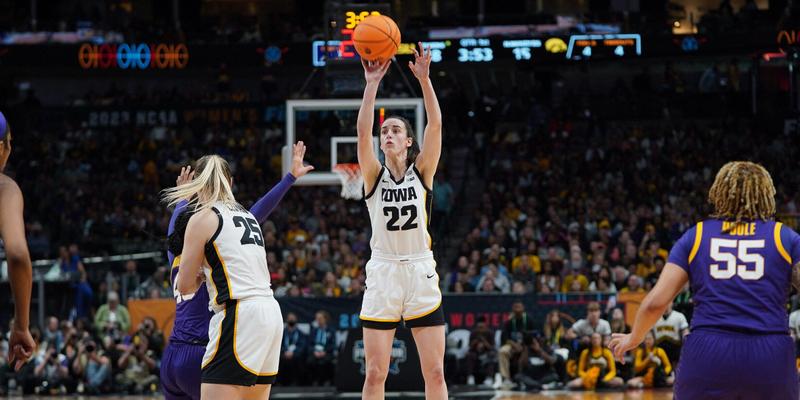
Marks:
<point>399,212</point>
<point>237,262</point>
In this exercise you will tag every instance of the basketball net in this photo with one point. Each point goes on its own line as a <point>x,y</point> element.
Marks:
<point>352,180</point>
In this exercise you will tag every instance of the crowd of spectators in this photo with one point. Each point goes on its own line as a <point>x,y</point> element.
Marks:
<point>565,353</point>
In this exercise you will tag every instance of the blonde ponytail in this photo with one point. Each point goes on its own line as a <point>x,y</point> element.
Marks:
<point>211,184</point>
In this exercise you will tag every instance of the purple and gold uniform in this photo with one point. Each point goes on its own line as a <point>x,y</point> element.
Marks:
<point>183,357</point>
<point>740,277</point>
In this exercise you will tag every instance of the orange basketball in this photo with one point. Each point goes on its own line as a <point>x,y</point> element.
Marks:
<point>376,37</point>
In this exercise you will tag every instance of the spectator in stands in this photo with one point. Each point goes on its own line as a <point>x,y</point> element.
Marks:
<point>584,328</point>
<point>670,331</point>
<point>83,298</point>
<point>500,281</point>
<point>538,364</point>
<point>52,334</point>
<point>514,331</point>
<point>148,328</point>
<point>137,366</point>
<point>294,350</point>
<point>487,284</point>
<point>634,285</point>
<point>93,366</point>
<point>130,280</point>
<point>596,368</point>
<point>575,281</point>
<point>618,324</point>
<point>112,318</point>
<point>70,261</point>
<point>651,366</point>
<point>159,282</point>
<point>548,281</point>
<point>554,330</point>
<point>323,345</point>
<point>482,355</point>
<point>51,370</point>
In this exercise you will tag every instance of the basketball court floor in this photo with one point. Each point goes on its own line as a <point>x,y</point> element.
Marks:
<point>476,395</point>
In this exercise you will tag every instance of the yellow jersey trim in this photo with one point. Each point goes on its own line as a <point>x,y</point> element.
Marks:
<point>176,262</point>
<point>216,347</point>
<point>224,272</point>
<point>424,314</point>
<point>378,319</point>
<point>698,237</point>
<point>779,244</point>
<point>235,354</point>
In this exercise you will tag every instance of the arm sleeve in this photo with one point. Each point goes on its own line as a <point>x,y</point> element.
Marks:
<point>664,361</point>
<point>612,366</point>
<point>178,209</point>
<point>266,204</point>
<point>679,255</point>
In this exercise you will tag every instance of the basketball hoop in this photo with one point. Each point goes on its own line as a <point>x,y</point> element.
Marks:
<point>352,181</point>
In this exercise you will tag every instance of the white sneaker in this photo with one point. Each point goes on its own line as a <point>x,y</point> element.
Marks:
<point>471,380</point>
<point>488,381</point>
<point>508,384</point>
<point>498,381</point>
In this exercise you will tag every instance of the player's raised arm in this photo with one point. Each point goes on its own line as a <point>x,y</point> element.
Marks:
<point>267,203</point>
<point>367,159</point>
<point>428,158</point>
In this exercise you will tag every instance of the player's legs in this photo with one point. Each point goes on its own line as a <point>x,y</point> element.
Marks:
<point>430,341</point>
<point>377,355</point>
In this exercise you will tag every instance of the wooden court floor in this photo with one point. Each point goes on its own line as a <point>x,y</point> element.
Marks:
<point>488,395</point>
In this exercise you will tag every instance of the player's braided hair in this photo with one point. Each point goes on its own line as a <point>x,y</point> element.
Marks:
<point>742,191</point>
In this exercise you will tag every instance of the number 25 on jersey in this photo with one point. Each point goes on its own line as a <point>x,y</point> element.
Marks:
<point>729,253</point>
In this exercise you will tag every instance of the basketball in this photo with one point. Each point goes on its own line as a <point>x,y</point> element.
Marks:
<point>377,37</point>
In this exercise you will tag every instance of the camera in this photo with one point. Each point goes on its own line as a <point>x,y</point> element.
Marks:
<point>90,347</point>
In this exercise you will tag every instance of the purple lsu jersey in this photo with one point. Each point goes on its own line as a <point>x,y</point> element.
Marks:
<point>192,315</point>
<point>740,274</point>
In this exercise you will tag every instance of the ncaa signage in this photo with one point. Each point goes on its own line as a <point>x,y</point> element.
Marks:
<point>399,355</point>
<point>404,371</point>
<point>133,56</point>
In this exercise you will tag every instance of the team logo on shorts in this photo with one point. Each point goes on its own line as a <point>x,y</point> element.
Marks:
<point>399,355</point>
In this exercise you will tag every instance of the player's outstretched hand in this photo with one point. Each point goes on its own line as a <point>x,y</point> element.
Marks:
<point>375,70</point>
<point>298,168</point>
<point>20,348</point>
<point>186,176</point>
<point>421,66</point>
<point>621,344</point>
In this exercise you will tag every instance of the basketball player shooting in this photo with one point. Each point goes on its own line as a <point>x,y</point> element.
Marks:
<point>402,283</point>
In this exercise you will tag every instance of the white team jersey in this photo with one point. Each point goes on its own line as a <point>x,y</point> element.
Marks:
<point>237,262</point>
<point>399,211</point>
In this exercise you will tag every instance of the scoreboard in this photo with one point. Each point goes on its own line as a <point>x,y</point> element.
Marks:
<point>488,50</point>
<point>473,49</point>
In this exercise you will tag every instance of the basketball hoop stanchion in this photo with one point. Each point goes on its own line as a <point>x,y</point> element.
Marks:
<point>352,180</point>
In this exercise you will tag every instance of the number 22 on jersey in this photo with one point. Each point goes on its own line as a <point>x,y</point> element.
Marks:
<point>730,252</point>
